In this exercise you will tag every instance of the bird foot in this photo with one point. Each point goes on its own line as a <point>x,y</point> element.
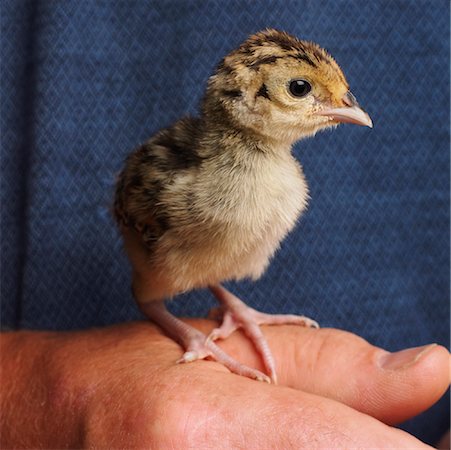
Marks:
<point>196,344</point>
<point>200,347</point>
<point>237,314</point>
<point>244,317</point>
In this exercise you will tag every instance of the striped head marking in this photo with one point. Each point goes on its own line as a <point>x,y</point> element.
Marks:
<point>281,87</point>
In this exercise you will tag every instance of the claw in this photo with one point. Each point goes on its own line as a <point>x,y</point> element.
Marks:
<point>191,356</point>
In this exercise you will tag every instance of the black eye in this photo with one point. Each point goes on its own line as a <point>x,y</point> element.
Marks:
<point>299,88</point>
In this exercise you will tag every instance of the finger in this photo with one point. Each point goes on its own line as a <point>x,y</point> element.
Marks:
<point>339,365</point>
<point>233,412</point>
<point>126,375</point>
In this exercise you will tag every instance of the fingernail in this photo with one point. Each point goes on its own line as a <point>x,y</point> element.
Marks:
<point>404,358</point>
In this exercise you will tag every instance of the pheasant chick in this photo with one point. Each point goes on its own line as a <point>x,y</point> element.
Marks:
<point>209,199</point>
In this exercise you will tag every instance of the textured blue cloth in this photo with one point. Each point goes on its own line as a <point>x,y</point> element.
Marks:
<point>83,82</point>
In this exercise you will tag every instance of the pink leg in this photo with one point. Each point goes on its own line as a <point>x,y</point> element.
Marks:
<point>195,343</point>
<point>238,315</point>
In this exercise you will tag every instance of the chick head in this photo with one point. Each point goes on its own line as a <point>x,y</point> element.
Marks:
<point>282,88</point>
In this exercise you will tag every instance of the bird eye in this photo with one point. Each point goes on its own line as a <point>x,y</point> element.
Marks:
<point>299,88</point>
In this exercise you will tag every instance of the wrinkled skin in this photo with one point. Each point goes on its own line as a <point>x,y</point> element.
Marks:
<point>118,387</point>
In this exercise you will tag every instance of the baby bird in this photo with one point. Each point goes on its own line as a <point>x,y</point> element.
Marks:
<point>209,199</point>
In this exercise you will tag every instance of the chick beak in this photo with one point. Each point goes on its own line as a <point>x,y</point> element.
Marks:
<point>351,113</point>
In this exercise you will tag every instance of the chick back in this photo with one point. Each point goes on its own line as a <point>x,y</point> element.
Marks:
<point>150,170</point>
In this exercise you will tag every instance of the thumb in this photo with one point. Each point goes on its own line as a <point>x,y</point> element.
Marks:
<point>391,387</point>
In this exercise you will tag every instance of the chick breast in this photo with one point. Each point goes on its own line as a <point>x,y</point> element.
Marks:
<point>220,217</point>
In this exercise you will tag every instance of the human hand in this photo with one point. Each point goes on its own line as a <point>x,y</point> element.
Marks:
<point>118,387</point>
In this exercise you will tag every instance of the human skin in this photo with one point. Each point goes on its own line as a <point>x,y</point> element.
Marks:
<point>118,387</point>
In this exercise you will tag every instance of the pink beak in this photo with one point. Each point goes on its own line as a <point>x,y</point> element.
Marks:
<point>348,114</point>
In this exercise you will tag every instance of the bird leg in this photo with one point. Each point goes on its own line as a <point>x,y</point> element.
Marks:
<point>237,314</point>
<point>195,343</point>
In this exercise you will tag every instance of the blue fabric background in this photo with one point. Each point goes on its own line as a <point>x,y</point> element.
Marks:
<point>83,82</point>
